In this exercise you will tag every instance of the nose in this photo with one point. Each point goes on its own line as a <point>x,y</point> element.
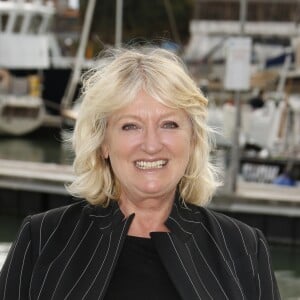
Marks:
<point>151,141</point>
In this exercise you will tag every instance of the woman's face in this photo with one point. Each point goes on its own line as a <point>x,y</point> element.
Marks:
<point>149,145</point>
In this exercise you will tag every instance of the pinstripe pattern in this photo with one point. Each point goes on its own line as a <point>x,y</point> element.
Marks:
<point>4,277</point>
<point>222,254</point>
<point>184,267</point>
<point>22,268</point>
<point>198,275</point>
<point>100,269</point>
<point>71,253</point>
<point>269,266</point>
<point>53,262</point>
<point>244,244</point>
<point>69,261</point>
<point>82,274</point>
<point>224,240</point>
<point>259,288</point>
<point>211,271</point>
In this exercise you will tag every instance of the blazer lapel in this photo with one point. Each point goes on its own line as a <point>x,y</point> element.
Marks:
<point>178,265</point>
<point>194,260</point>
<point>114,228</point>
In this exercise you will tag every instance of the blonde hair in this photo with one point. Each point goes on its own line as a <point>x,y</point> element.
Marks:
<point>113,84</point>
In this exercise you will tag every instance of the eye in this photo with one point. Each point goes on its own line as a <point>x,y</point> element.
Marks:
<point>129,126</point>
<point>170,125</point>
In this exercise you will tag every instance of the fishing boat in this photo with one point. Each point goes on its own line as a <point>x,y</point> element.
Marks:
<point>20,115</point>
<point>36,75</point>
<point>22,109</point>
<point>24,45</point>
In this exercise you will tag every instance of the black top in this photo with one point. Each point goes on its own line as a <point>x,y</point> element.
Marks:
<point>140,274</point>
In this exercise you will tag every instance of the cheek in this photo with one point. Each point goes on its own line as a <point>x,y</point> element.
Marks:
<point>181,145</point>
<point>122,146</point>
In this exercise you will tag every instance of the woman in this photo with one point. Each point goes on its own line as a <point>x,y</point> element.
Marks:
<point>141,145</point>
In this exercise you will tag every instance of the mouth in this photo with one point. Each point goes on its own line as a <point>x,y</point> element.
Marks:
<point>147,165</point>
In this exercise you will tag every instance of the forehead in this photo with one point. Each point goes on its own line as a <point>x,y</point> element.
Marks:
<point>145,105</point>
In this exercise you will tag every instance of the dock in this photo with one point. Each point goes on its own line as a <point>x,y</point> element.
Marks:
<point>260,198</point>
<point>30,187</point>
<point>36,177</point>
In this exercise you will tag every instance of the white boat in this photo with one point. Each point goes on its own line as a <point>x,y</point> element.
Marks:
<point>20,114</point>
<point>23,45</point>
<point>26,44</point>
<point>22,110</point>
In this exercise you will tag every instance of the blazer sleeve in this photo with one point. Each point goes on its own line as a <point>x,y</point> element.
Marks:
<point>16,272</point>
<point>267,285</point>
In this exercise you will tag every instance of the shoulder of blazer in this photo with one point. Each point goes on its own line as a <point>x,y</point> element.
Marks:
<point>226,231</point>
<point>44,225</point>
<point>239,236</point>
<point>50,218</point>
<point>60,222</point>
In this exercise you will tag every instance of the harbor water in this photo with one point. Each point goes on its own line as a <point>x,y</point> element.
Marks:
<point>49,148</point>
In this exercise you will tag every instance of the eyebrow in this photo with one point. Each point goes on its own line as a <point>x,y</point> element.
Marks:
<point>132,116</point>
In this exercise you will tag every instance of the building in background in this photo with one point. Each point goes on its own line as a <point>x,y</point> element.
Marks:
<point>258,10</point>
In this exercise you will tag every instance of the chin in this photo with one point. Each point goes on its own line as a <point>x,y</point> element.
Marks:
<point>155,191</point>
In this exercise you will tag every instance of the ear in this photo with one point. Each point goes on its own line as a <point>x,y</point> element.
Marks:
<point>104,151</point>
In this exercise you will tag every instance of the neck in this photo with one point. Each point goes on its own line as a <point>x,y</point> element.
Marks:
<point>150,215</point>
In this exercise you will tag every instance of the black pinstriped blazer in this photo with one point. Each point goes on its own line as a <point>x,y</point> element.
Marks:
<point>71,252</point>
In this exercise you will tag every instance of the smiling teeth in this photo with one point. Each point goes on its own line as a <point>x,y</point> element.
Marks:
<point>150,164</point>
